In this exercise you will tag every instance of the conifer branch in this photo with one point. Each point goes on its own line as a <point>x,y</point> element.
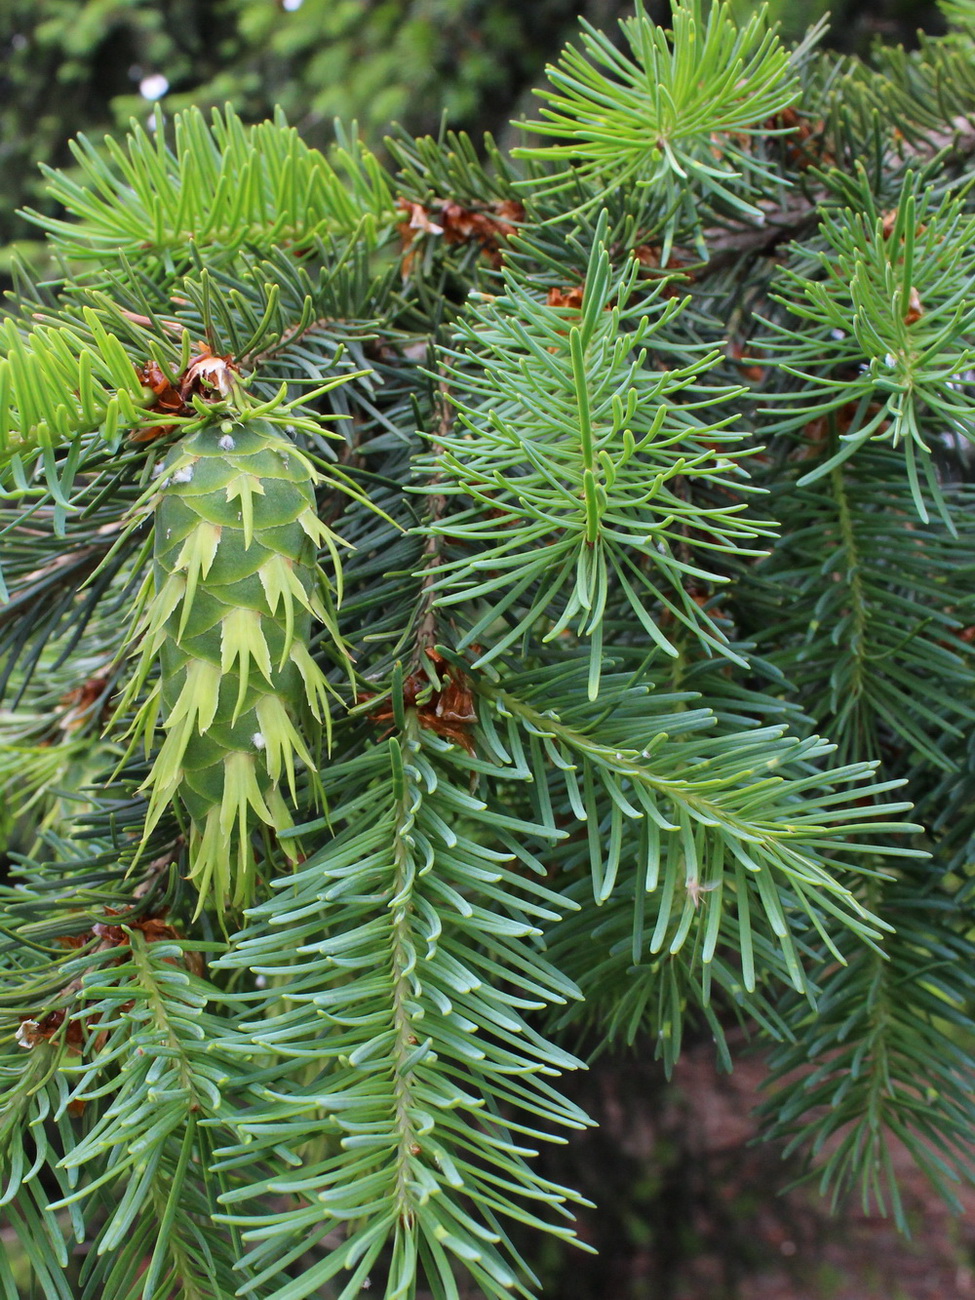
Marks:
<point>644,543</point>
<point>433,546</point>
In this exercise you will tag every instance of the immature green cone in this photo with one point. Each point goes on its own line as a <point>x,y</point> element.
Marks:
<point>236,584</point>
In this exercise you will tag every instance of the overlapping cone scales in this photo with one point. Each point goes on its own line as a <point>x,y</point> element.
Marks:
<point>236,589</point>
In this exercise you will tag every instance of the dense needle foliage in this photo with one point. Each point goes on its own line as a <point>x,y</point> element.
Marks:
<point>465,612</point>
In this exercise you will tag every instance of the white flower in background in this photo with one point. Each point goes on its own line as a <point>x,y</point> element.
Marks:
<point>153,87</point>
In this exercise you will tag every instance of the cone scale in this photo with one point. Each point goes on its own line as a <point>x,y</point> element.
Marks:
<point>236,586</point>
